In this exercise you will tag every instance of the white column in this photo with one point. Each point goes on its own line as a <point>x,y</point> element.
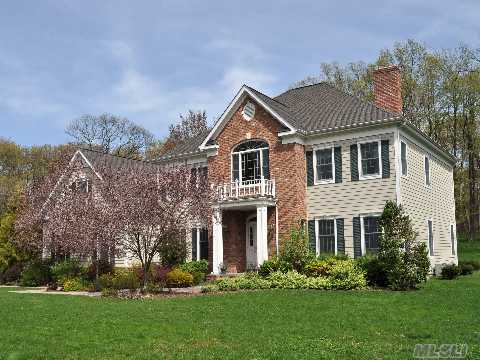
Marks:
<point>262,243</point>
<point>217,241</point>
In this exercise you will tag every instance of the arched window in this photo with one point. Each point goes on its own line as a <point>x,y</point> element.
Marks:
<point>250,161</point>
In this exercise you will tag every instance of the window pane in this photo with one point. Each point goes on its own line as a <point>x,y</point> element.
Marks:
<point>370,228</point>
<point>324,164</point>
<point>326,236</point>
<point>251,166</point>
<point>370,158</point>
<point>404,158</point>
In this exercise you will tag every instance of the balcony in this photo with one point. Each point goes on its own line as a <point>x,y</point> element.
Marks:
<point>249,189</point>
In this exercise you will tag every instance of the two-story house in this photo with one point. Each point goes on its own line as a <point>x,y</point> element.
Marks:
<point>318,156</point>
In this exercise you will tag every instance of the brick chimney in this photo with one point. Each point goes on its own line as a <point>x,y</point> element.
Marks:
<point>388,88</point>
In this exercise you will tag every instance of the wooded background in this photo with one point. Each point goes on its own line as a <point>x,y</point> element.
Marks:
<point>441,96</point>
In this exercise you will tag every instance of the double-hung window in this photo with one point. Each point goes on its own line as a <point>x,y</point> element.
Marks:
<point>369,160</point>
<point>324,166</point>
<point>403,157</point>
<point>199,244</point>
<point>370,234</point>
<point>430,237</point>
<point>326,236</point>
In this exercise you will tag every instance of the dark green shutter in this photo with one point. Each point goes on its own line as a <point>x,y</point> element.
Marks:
<point>385,160</point>
<point>340,237</point>
<point>337,154</point>
<point>266,164</point>
<point>204,244</point>
<point>194,244</point>
<point>309,160</point>
<point>354,162</point>
<point>311,235</point>
<point>235,168</point>
<point>357,238</point>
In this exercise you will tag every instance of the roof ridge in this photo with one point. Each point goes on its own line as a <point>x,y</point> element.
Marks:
<point>113,155</point>
<point>323,82</point>
<point>273,99</point>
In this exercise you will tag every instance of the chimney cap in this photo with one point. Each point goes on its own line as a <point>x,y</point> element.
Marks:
<point>387,68</point>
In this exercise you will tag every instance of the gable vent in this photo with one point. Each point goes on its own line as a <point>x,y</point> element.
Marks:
<point>248,111</point>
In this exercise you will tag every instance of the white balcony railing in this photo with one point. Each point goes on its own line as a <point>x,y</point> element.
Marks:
<point>246,189</point>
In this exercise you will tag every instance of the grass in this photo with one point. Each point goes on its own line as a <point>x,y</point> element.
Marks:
<point>273,324</point>
<point>468,250</point>
<point>264,324</point>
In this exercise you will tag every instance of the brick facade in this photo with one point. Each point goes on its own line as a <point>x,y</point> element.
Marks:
<point>388,88</point>
<point>287,168</point>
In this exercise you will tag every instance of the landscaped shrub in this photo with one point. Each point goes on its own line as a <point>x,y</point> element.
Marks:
<point>405,261</point>
<point>105,281</point>
<point>272,265</point>
<point>12,274</point>
<point>74,284</point>
<point>289,280</point>
<point>67,269</point>
<point>320,267</point>
<point>195,266</point>
<point>245,281</point>
<point>104,267</point>
<point>125,279</point>
<point>109,292</point>
<point>36,274</point>
<point>345,275</point>
<point>198,269</point>
<point>178,279</point>
<point>466,269</point>
<point>450,272</point>
<point>173,252</point>
<point>159,274</point>
<point>296,250</point>
<point>374,270</point>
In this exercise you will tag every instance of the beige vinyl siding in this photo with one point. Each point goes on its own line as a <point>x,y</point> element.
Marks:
<point>435,202</point>
<point>353,198</point>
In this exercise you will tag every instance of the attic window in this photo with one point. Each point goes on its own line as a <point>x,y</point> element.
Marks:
<point>248,111</point>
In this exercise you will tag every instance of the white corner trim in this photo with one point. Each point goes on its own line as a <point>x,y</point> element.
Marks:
<point>226,114</point>
<point>398,164</point>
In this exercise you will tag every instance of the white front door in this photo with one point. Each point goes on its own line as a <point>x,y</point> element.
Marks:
<point>251,244</point>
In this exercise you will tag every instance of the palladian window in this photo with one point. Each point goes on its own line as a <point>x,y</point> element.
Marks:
<point>250,161</point>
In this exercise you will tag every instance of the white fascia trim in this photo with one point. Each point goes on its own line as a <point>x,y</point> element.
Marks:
<point>64,172</point>
<point>226,114</point>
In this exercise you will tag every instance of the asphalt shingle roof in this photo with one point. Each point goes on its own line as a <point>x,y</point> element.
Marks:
<point>99,159</point>
<point>311,108</point>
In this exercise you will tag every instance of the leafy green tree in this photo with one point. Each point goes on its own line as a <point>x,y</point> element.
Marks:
<point>404,260</point>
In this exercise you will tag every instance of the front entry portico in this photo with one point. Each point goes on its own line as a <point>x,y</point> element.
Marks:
<point>240,237</point>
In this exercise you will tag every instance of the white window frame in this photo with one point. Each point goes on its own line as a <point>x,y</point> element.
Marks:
<point>406,159</point>
<point>315,180</point>
<point>425,158</point>
<point>453,243</point>
<point>431,252</point>
<point>240,182</point>
<point>359,160</point>
<point>362,230</point>
<point>317,239</point>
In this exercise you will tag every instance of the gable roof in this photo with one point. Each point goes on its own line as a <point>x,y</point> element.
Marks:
<point>305,110</point>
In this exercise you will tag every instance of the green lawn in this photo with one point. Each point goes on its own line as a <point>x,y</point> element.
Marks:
<point>272,324</point>
<point>468,250</point>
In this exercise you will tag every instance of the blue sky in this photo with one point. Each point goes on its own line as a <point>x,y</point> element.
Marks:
<point>152,60</point>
